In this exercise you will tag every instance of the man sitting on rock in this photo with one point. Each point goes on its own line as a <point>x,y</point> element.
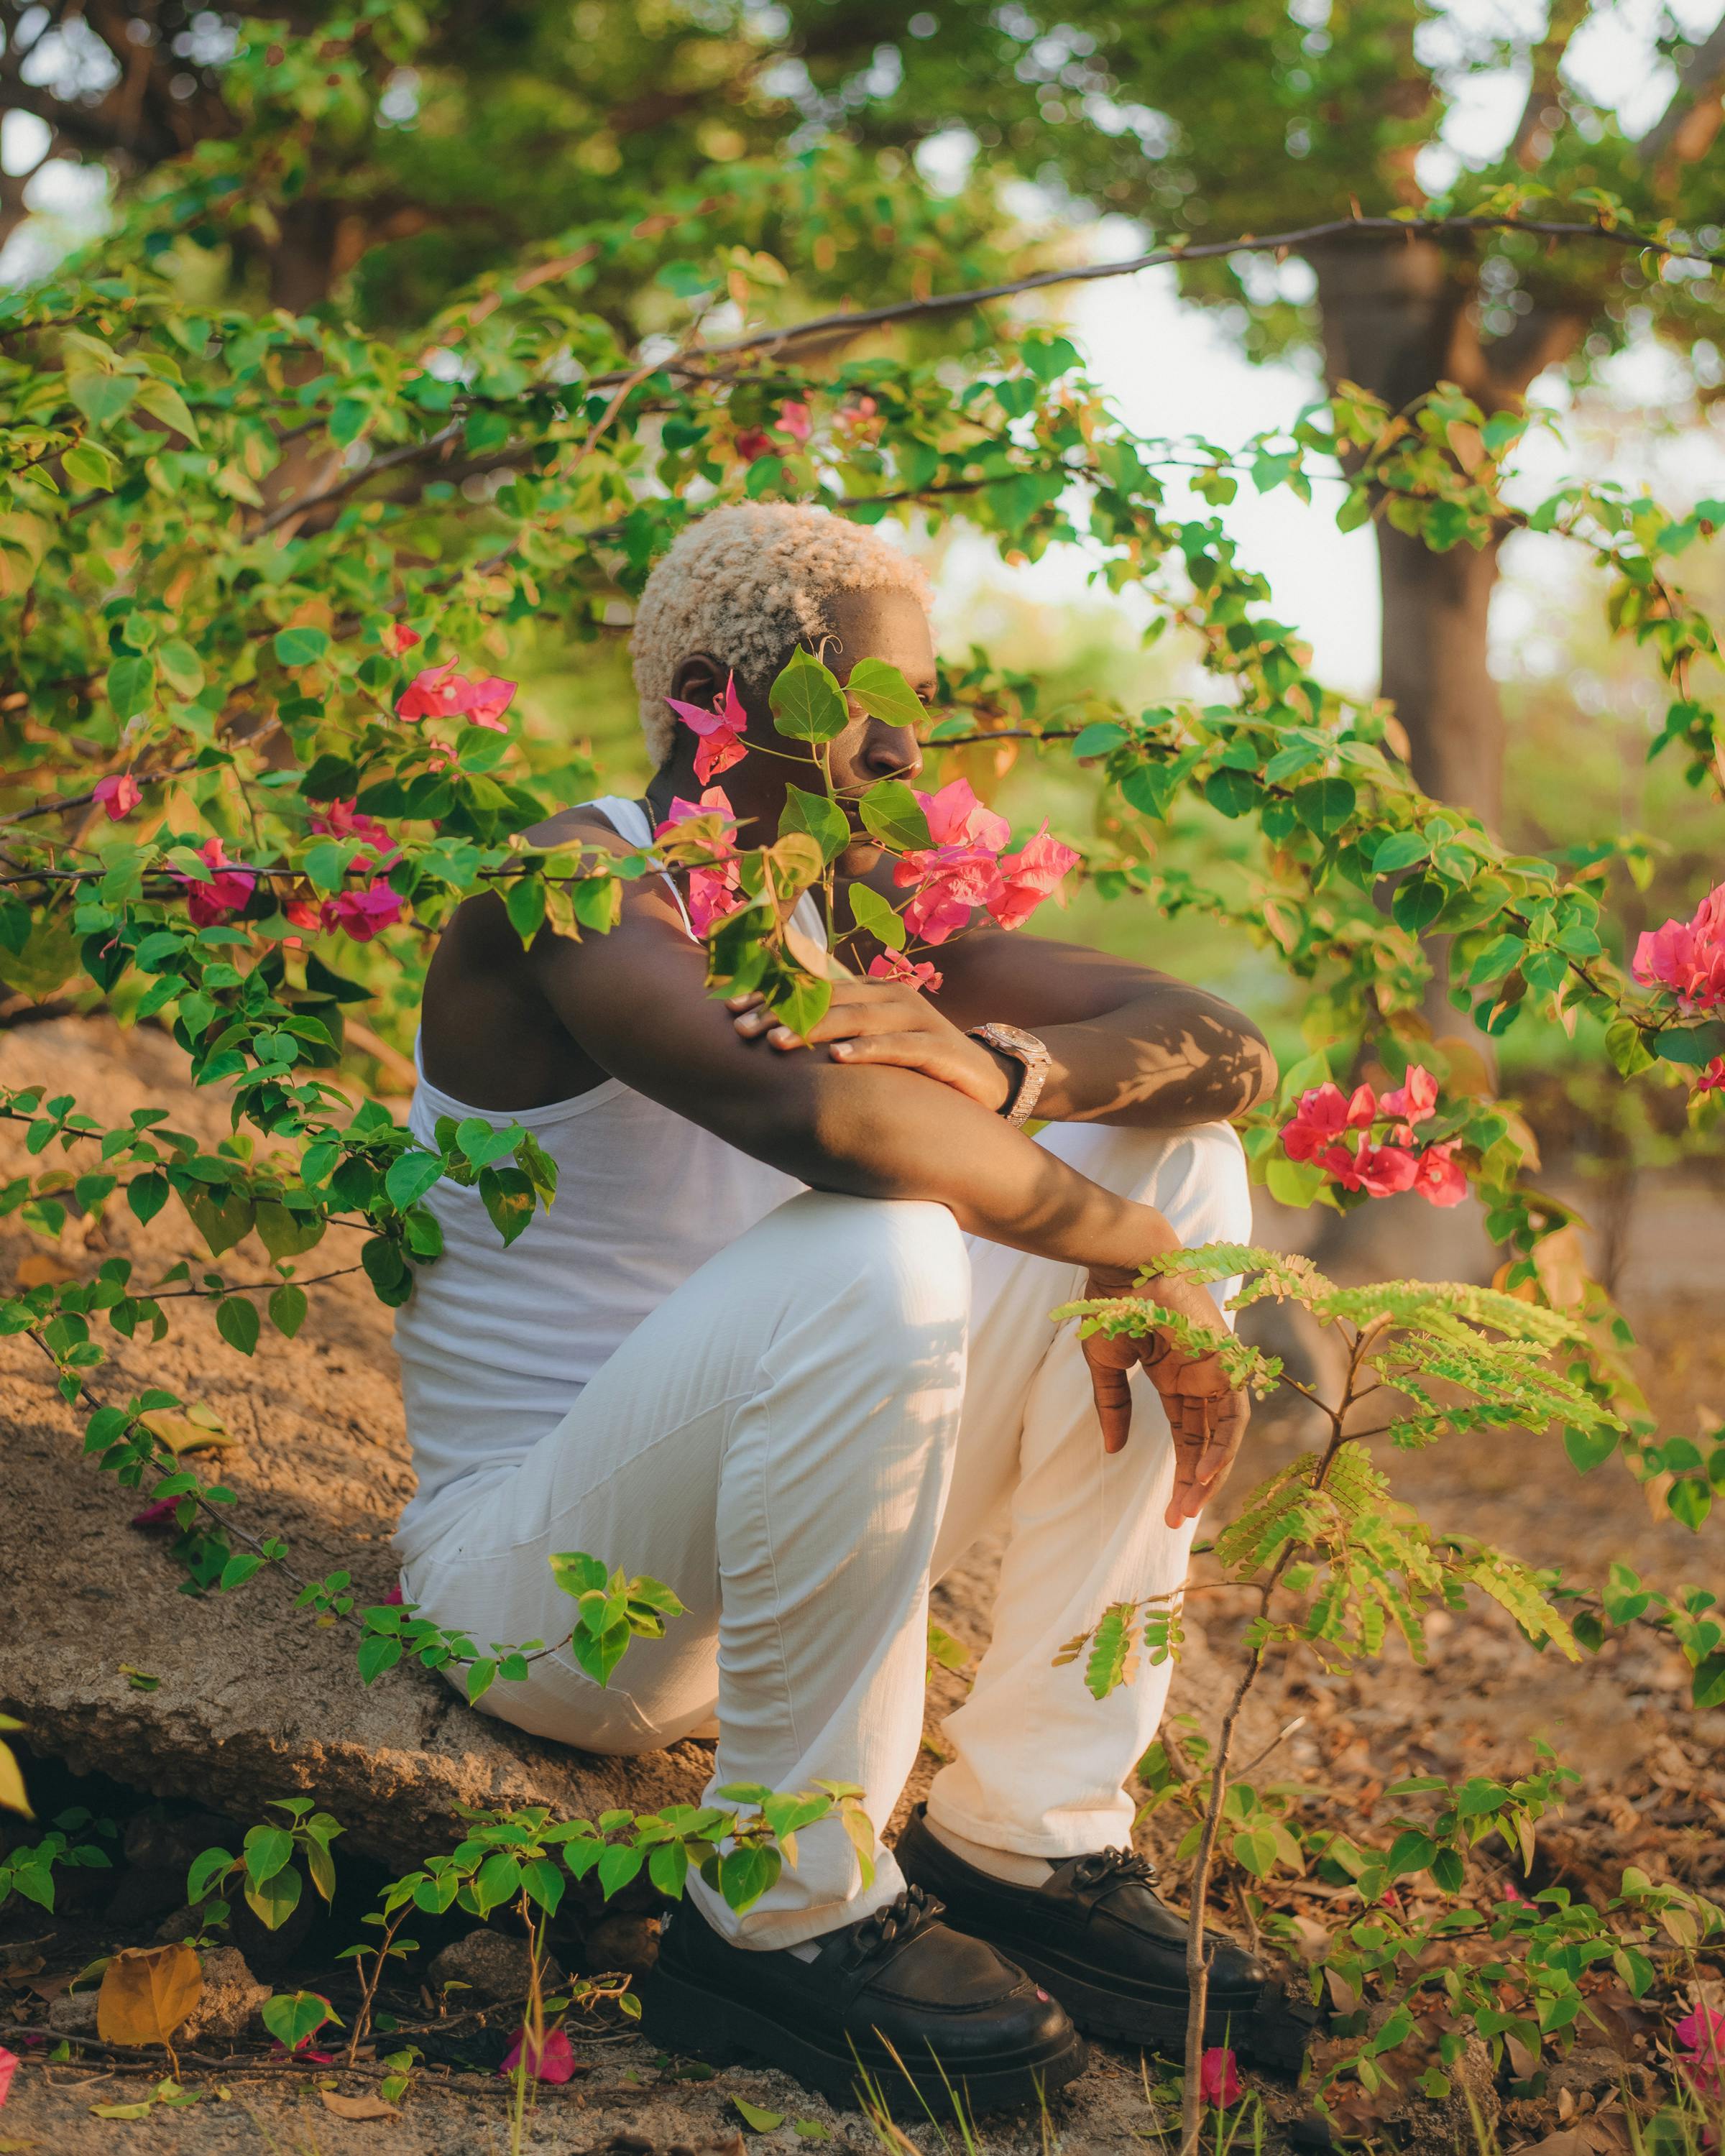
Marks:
<point>783,1341</point>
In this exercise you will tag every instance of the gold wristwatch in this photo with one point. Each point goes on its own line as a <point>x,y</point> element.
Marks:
<point>1023,1048</point>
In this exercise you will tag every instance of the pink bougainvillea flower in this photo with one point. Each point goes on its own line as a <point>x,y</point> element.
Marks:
<point>8,2067</point>
<point>552,2059</point>
<point>720,744</point>
<point>489,699</point>
<point>1688,957</point>
<point>713,798</point>
<point>365,912</point>
<point>304,912</point>
<point>1713,1079</point>
<point>1415,1101</point>
<point>1438,1176</point>
<point>752,442</point>
<point>1381,1171</point>
<point>439,692</point>
<point>713,889</point>
<point>228,891</point>
<point>118,794</point>
<point>1035,872</point>
<point>794,419</point>
<point>894,966</point>
<point>960,871</point>
<point>1701,2048</point>
<point>1218,2077</point>
<point>1509,1892</point>
<point>1321,1117</point>
<point>341,819</point>
<point>158,1515</point>
<point>956,818</point>
<point>400,639</point>
<point>395,1597</point>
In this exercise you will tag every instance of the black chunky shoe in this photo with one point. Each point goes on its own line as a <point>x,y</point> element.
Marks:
<point>1097,1935</point>
<point>898,1995</point>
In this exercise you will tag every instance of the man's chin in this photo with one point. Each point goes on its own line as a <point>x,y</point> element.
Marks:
<point>860,858</point>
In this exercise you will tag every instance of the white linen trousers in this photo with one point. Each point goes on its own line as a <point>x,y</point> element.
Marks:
<point>799,1440</point>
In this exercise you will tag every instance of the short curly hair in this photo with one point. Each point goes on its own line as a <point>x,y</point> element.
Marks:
<point>748,583</point>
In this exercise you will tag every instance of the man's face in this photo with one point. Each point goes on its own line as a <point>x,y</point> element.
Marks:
<point>887,625</point>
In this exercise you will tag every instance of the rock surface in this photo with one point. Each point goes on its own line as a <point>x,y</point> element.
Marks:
<point>496,1968</point>
<point>231,1996</point>
<point>251,1699</point>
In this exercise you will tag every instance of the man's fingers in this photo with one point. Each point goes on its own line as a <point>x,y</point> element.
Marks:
<point>1114,1405</point>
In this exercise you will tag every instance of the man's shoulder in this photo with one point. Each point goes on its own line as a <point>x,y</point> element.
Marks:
<point>583,823</point>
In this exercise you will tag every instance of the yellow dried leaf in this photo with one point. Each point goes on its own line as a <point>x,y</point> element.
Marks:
<point>357,2107</point>
<point>197,1432</point>
<point>146,1992</point>
<point>42,1269</point>
<point>1561,1264</point>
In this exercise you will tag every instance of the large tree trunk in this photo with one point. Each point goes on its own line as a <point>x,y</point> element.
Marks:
<point>1399,320</point>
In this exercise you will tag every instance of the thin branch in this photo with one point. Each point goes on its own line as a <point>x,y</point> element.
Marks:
<point>850,324</point>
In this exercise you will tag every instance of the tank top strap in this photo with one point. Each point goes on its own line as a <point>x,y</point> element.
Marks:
<point>629,820</point>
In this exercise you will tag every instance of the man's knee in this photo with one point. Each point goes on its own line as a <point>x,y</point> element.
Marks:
<point>903,1261</point>
<point>1196,1179</point>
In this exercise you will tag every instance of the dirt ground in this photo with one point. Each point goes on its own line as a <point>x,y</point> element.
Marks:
<point>1651,1793</point>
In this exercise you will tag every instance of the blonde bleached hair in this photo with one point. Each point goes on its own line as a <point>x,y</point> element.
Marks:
<point>748,583</point>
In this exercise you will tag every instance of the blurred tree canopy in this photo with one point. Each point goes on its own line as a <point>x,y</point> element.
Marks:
<point>379,158</point>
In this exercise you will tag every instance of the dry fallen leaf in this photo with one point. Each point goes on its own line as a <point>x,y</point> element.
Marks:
<point>357,2107</point>
<point>42,1269</point>
<point>146,1992</point>
<point>198,1431</point>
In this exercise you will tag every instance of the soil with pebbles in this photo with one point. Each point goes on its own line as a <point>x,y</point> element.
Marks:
<point>321,1457</point>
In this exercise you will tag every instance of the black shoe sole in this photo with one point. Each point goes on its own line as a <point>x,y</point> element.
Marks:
<point>1270,2031</point>
<point>698,2024</point>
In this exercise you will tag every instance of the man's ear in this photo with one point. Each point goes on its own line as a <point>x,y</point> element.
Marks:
<point>699,678</point>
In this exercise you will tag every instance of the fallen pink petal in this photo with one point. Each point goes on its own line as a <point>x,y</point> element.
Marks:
<point>552,2059</point>
<point>1218,2078</point>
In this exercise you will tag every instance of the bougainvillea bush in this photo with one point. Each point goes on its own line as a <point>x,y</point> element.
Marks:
<point>263,581</point>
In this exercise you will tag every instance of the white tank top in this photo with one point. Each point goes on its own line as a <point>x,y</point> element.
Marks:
<point>496,1344</point>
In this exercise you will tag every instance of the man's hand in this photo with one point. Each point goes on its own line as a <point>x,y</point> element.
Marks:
<point>890,1022</point>
<point>1207,1415</point>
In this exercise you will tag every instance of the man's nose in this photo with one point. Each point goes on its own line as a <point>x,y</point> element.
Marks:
<point>893,752</point>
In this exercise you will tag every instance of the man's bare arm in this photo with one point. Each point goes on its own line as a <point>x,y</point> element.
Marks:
<point>1129,1045</point>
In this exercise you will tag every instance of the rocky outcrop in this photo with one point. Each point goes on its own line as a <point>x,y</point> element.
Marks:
<point>231,1699</point>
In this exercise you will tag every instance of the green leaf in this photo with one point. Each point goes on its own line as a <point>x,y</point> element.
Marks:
<point>508,1197</point>
<point>1690,1501</point>
<point>668,1868</point>
<point>410,1176</point>
<point>617,1867</point>
<point>755,2118</point>
<point>1232,792</point>
<point>803,1004</point>
<point>102,397</point>
<point>182,669</point>
<point>876,917</point>
<point>892,814</point>
<point>1048,357</point>
<point>1448,1872</point>
<point>88,465</point>
<point>293,2016</point>
<point>131,683</point>
<point>274,1900</point>
<point>1399,850</point>
<point>1689,1046</point>
<point>1586,1448</point>
<point>808,704</point>
<point>237,1322</point>
<point>884,693</point>
<point>163,402</point>
<point>269,1849</point>
<point>302,646</point>
<point>1707,1686</point>
<point>578,1574</point>
<point>822,819</point>
<point>746,1873</point>
<point>1410,1851</point>
<point>1099,738</point>
<point>1325,805</point>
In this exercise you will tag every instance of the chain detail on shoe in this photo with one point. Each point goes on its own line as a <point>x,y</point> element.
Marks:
<point>1117,1867</point>
<point>902,1919</point>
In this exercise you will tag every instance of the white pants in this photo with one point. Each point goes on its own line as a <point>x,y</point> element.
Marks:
<point>815,1426</point>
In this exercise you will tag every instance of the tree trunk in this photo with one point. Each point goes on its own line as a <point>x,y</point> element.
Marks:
<point>1433,668</point>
